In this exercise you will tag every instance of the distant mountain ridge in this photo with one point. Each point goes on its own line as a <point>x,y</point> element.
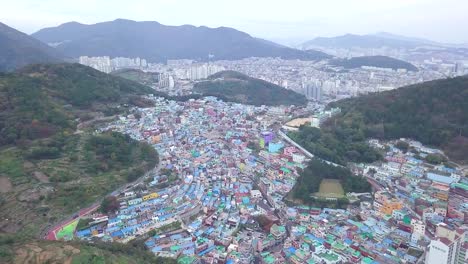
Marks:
<point>18,49</point>
<point>366,41</point>
<point>157,43</point>
<point>376,40</point>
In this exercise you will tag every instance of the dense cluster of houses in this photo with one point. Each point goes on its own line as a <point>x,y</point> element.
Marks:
<point>223,166</point>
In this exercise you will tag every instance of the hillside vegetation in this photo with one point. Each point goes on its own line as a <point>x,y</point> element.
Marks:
<point>76,252</point>
<point>434,113</point>
<point>41,100</point>
<point>310,179</point>
<point>49,169</point>
<point>237,87</point>
<point>146,78</point>
<point>374,61</point>
<point>340,144</point>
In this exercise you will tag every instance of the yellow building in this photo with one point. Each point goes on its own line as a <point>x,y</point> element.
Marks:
<point>389,206</point>
<point>155,139</point>
<point>150,196</point>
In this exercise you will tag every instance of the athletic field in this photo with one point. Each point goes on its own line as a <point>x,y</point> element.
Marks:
<point>66,233</point>
<point>330,188</point>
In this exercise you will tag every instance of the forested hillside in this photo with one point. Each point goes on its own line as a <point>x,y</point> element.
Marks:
<point>435,113</point>
<point>49,169</point>
<point>240,88</point>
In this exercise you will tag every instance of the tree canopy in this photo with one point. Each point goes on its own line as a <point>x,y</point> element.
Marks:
<point>237,87</point>
<point>309,180</point>
<point>434,113</point>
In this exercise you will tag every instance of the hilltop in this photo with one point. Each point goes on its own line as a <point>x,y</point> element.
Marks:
<point>434,113</point>
<point>374,61</point>
<point>240,88</point>
<point>51,165</point>
<point>320,181</point>
<point>49,98</point>
<point>18,49</point>
<point>158,43</point>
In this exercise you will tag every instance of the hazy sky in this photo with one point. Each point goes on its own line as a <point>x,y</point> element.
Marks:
<point>440,20</point>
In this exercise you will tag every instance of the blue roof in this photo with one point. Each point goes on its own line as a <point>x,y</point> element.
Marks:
<point>83,233</point>
<point>117,233</point>
<point>439,178</point>
<point>150,243</point>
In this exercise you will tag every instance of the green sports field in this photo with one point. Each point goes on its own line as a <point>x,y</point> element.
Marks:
<point>66,233</point>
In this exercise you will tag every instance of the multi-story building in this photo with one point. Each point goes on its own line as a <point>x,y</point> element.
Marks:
<point>202,71</point>
<point>449,246</point>
<point>106,64</point>
<point>313,91</point>
<point>458,202</point>
<point>99,63</point>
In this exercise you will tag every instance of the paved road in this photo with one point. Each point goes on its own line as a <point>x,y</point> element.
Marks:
<point>307,153</point>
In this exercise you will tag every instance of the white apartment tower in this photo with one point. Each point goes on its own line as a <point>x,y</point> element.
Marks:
<point>448,247</point>
<point>202,71</point>
<point>313,91</point>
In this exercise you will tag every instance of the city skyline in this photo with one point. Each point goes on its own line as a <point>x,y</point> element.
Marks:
<point>296,22</point>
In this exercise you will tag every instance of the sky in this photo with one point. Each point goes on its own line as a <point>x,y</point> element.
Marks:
<point>280,20</point>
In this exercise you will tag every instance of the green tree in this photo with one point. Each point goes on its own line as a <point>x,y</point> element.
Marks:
<point>110,204</point>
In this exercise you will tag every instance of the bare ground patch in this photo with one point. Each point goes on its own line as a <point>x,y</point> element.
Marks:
<point>5,184</point>
<point>41,176</point>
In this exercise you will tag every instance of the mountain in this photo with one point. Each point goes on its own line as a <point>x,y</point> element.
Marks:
<point>405,38</point>
<point>52,164</point>
<point>374,61</point>
<point>434,113</point>
<point>51,96</point>
<point>240,88</point>
<point>18,49</point>
<point>157,43</point>
<point>363,41</point>
<point>421,41</point>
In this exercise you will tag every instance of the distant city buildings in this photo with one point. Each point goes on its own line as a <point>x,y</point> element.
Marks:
<point>99,63</point>
<point>318,81</point>
<point>107,65</point>
<point>203,70</point>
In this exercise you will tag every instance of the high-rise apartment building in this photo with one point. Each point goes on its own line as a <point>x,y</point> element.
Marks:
<point>313,91</point>
<point>99,63</point>
<point>448,247</point>
<point>202,71</point>
<point>106,64</point>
